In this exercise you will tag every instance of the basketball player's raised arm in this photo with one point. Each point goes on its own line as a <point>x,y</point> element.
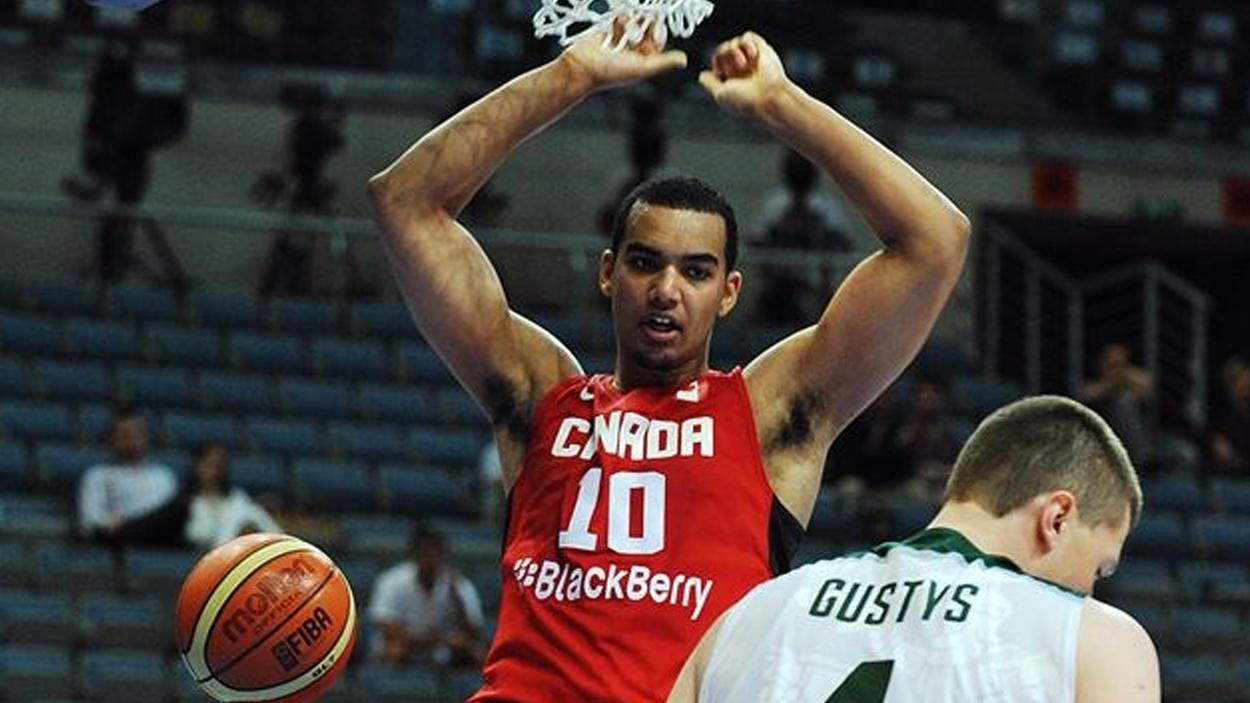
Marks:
<point>1115,662</point>
<point>450,287</point>
<point>881,314</point>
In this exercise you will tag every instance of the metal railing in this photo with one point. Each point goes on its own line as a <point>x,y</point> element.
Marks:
<point>1041,327</point>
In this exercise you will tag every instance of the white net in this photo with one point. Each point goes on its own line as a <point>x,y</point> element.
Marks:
<point>668,17</point>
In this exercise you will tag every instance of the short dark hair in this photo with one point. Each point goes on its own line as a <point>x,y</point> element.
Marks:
<point>1042,444</point>
<point>422,534</point>
<point>680,193</point>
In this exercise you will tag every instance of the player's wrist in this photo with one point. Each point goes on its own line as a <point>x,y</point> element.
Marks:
<point>778,103</point>
<point>574,74</point>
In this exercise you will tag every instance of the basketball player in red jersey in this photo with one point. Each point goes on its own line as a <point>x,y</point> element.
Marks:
<point>645,502</point>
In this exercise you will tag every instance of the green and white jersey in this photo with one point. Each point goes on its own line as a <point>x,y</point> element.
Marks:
<point>929,619</point>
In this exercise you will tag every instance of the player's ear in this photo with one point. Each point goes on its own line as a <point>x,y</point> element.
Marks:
<point>1055,518</point>
<point>606,261</point>
<point>729,297</point>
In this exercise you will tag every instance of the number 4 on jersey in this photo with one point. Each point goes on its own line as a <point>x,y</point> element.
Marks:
<point>867,684</point>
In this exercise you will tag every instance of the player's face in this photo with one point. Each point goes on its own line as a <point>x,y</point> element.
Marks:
<point>668,283</point>
<point>1089,553</point>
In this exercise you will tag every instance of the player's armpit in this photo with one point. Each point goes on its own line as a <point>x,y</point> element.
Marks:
<point>1116,660</point>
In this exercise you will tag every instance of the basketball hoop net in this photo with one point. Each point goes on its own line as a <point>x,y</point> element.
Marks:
<point>665,17</point>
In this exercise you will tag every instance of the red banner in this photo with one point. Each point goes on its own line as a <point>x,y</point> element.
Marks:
<point>1055,186</point>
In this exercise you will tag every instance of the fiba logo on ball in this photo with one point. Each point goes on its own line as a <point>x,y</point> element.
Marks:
<point>266,617</point>
<point>134,5</point>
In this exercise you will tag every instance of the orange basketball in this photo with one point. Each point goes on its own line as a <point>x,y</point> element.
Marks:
<point>266,617</point>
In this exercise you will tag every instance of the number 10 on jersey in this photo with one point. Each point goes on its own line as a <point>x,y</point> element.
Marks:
<point>621,488</point>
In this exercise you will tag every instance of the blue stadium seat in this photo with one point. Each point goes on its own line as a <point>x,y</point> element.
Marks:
<point>302,397</point>
<point>15,468</point>
<point>448,446</point>
<point>73,380</point>
<point>157,388</point>
<point>1175,492</point>
<point>469,540</point>
<point>28,334</point>
<point>303,315</point>
<point>346,358</point>
<point>383,320</point>
<point>157,572</point>
<point>229,310</point>
<point>120,674</point>
<point>457,407</point>
<point>73,570</point>
<point>423,491</point>
<point>236,392</point>
<point>1144,579</point>
<point>1224,537</point>
<point>393,403</point>
<point>563,327</point>
<point>30,672</point>
<point>37,618</point>
<point>190,429</point>
<point>268,434</point>
<point>464,684</point>
<point>188,346</point>
<point>34,517</point>
<point>259,473</point>
<point>418,362</point>
<point>1209,628</point>
<point>1160,534</point>
<point>1231,494</point>
<point>65,298</point>
<point>15,382</point>
<point>125,621</point>
<point>979,396</point>
<point>14,569</point>
<point>1195,675</point>
<point>263,351</point>
<point>377,535</point>
<point>368,440</point>
<point>1200,578</point>
<point>144,303</point>
<point>27,420</point>
<point>101,339</point>
<point>360,574</point>
<point>334,484</point>
<point>62,465</point>
<point>400,686</point>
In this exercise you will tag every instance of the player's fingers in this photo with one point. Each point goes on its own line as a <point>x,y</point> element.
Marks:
<point>750,47</point>
<point>668,61</point>
<point>710,82</point>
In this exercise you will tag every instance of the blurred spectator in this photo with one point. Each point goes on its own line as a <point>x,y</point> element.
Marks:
<point>1230,432</point>
<point>218,511</point>
<point>123,128</point>
<point>925,441</point>
<point>493,494</point>
<point>130,500</point>
<point>300,187</point>
<point>648,148</point>
<point>1122,394</point>
<point>425,610</point>
<point>864,457</point>
<point>797,215</point>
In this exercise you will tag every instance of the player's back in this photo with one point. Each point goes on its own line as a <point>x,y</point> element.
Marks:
<point>928,619</point>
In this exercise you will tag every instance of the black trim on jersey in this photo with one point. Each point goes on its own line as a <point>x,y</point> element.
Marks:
<point>784,534</point>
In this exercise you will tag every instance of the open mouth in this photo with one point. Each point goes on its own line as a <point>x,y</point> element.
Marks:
<point>660,328</point>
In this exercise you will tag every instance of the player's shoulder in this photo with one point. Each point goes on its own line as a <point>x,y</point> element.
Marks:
<point>1105,623</point>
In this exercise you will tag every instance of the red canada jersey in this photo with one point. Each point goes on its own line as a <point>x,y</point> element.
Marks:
<point>637,519</point>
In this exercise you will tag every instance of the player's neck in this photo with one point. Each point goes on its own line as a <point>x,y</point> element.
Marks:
<point>999,536</point>
<point>630,376</point>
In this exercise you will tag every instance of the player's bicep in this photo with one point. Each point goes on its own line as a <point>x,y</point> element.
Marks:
<point>1116,660</point>
<point>870,331</point>
<point>458,304</point>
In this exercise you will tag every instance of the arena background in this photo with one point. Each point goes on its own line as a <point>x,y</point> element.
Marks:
<point>1102,148</point>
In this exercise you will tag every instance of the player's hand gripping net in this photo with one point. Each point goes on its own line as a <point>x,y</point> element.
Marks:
<point>660,17</point>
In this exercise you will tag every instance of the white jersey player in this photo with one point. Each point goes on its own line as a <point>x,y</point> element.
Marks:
<point>988,604</point>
